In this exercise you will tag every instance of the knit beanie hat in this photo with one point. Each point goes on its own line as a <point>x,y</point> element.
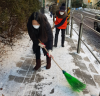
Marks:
<point>62,8</point>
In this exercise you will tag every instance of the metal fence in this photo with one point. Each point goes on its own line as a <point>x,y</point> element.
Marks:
<point>81,30</point>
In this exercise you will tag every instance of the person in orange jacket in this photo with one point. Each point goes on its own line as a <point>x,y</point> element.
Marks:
<point>60,24</point>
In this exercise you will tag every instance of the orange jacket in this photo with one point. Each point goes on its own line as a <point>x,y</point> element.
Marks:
<point>58,20</point>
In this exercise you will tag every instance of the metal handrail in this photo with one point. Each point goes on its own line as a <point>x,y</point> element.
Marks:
<point>80,33</point>
<point>91,51</point>
<point>89,27</point>
<point>87,16</point>
<point>92,29</point>
<point>86,24</point>
<point>75,31</point>
<point>87,46</point>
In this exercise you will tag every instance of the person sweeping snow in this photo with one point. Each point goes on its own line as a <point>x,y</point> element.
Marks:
<point>60,24</point>
<point>40,32</point>
<point>40,29</point>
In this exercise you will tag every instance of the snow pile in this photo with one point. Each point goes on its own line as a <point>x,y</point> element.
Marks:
<point>11,57</point>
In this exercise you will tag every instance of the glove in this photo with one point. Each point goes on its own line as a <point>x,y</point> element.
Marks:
<point>41,45</point>
<point>49,53</point>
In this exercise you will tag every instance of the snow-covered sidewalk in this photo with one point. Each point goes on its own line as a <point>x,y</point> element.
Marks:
<point>18,79</point>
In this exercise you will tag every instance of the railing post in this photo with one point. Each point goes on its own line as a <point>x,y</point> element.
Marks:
<point>68,13</point>
<point>71,26</point>
<point>80,35</point>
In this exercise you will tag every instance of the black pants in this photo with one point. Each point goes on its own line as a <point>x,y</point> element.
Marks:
<point>62,35</point>
<point>38,54</point>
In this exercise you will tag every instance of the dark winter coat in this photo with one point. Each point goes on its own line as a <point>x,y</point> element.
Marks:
<point>49,43</point>
<point>50,8</point>
<point>54,8</point>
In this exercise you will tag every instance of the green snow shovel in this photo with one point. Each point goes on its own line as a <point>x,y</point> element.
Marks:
<point>75,84</point>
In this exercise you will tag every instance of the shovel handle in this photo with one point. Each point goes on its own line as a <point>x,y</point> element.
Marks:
<point>51,56</point>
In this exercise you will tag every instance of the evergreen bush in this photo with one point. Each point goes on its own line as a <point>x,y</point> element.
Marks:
<point>14,15</point>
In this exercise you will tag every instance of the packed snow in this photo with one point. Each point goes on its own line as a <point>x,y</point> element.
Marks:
<point>23,48</point>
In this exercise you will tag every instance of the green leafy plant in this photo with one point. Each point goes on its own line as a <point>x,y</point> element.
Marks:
<point>14,15</point>
<point>84,5</point>
<point>77,3</point>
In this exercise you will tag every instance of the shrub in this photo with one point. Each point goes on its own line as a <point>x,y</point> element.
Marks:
<point>13,17</point>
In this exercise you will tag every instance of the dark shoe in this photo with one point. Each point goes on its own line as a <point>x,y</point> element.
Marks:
<point>38,64</point>
<point>62,42</point>
<point>54,45</point>
<point>63,45</point>
<point>48,63</point>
